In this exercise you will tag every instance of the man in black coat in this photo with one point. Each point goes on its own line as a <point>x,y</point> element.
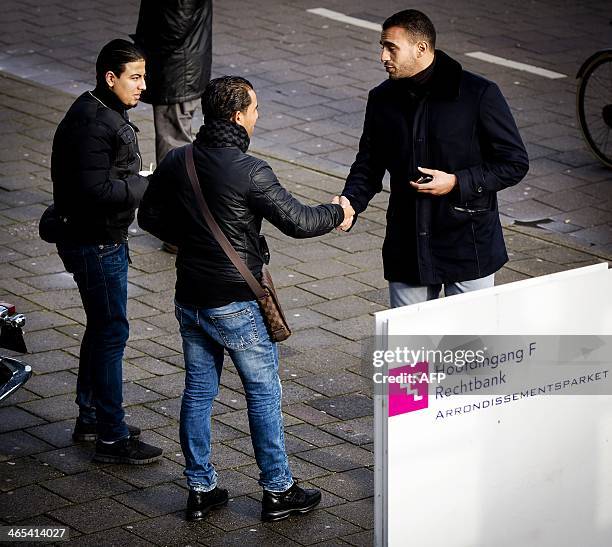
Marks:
<point>215,307</point>
<point>450,143</point>
<point>176,37</point>
<point>97,187</point>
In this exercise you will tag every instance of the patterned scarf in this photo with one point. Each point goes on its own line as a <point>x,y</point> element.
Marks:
<point>217,133</point>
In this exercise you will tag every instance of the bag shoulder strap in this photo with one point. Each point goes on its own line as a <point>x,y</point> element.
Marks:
<point>218,234</point>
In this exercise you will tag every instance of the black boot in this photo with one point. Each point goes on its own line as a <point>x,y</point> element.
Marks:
<point>279,505</point>
<point>200,503</point>
<point>129,450</point>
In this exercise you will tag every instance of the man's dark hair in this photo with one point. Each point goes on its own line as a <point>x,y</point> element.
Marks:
<point>416,23</point>
<point>225,95</point>
<point>114,56</point>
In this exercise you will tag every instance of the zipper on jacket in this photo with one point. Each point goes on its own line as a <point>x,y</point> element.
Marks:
<point>467,210</point>
<point>136,140</point>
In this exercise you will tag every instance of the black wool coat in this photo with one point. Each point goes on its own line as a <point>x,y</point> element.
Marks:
<point>176,37</point>
<point>462,125</point>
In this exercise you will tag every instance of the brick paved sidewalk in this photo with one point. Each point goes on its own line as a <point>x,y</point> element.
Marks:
<point>329,286</point>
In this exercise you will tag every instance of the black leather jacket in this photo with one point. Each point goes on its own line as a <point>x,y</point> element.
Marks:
<point>241,191</point>
<point>94,168</point>
<point>176,37</point>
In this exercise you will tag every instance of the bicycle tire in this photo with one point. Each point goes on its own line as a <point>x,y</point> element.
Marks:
<point>603,152</point>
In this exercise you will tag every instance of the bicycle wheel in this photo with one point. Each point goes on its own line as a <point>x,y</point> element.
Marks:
<point>594,105</point>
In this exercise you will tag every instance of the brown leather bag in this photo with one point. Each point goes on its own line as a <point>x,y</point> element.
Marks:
<point>264,292</point>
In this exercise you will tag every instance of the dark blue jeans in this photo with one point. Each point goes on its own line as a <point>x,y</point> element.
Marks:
<point>100,272</point>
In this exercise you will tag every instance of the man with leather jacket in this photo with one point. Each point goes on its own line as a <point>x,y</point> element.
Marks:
<point>97,187</point>
<point>215,307</point>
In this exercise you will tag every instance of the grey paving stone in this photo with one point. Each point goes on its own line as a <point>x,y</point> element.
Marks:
<point>308,414</point>
<point>155,501</point>
<point>340,457</point>
<point>23,471</point>
<point>257,534</point>
<point>169,385</point>
<point>70,459</point>
<point>27,502</point>
<point>173,529</point>
<point>334,287</point>
<point>355,328</point>
<point>335,382</point>
<point>17,444</point>
<point>600,235</point>
<point>312,338</point>
<point>359,431</point>
<point>315,527</point>
<point>240,512</point>
<point>325,268</point>
<point>351,485</point>
<point>313,435</point>
<point>109,514</point>
<point>506,275</point>
<point>361,539</point>
<point>535,266</point>
<point>58,434</point>
<point>13,418</point>
<point>143,476</point>
<point>345,407</point>
<point>48,339</point>
<point>116,537</point>
<point>53,383</point>
<point>87,486</point>
<point>54,408</point>
<point>294,297</point>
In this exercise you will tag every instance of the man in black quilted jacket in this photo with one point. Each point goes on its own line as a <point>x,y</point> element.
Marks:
<point>95,167</point>
<point>215,308</point>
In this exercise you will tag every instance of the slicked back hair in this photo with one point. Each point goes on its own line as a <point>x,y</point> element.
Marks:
<point>416,23</point>
<point>114,56</point>
<point>225,95</point>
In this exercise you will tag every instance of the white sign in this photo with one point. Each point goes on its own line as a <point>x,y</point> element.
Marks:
<point>514,449</point>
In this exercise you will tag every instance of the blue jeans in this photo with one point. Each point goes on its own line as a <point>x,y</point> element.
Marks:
<point>403,294</point>
<point>100,272</point>
<point>239,328</point>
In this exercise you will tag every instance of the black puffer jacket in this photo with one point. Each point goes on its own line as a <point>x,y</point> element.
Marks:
<point>176,37</point>
<point>94,168</point>
<point>240,191</point>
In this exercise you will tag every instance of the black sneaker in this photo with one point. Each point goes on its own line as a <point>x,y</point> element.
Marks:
<point>200,503</point>
<point>87,432</point>
<point>129,450</point>
<point>296,500</point>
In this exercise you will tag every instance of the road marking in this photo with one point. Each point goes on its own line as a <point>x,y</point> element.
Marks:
<point>337,16</point>
<point>482,56</point>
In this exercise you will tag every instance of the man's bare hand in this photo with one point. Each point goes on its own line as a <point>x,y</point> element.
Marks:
<point>441,184</point>
<point>349,212</point>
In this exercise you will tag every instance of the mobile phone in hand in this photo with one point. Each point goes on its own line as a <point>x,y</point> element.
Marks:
<point>424,179</point>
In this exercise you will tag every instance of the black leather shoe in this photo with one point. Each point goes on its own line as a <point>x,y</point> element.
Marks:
<point>129,450</point>
<point>200,503</point>
<point>87,432</point>
<point>296,500</point>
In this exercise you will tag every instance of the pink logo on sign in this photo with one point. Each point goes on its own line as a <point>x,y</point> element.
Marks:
<point>410,393</point>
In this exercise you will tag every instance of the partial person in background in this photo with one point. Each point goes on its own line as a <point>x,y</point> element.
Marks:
<point>97,187</point>
<point>176,37</point>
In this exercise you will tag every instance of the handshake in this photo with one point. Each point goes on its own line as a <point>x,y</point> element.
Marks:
<point>349,212</point>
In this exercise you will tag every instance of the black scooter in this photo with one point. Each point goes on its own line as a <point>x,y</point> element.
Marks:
<point>13,373</point>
